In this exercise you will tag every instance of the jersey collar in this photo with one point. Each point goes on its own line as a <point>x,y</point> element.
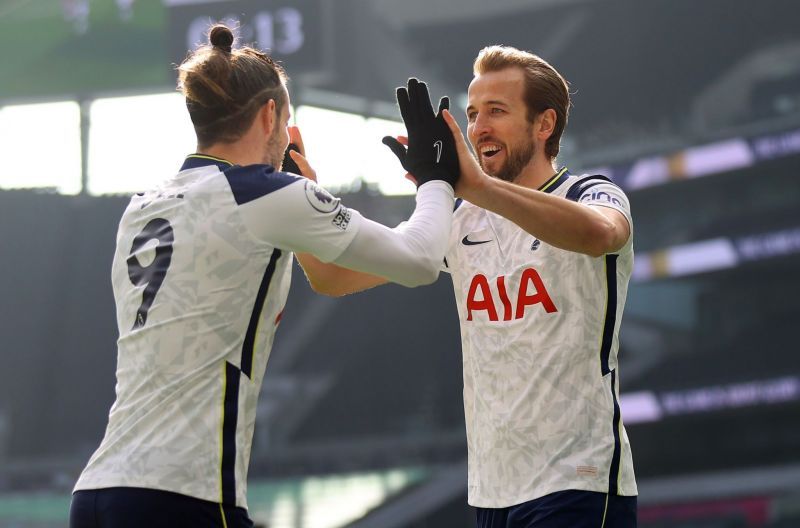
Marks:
<point>553,183</point>
<point>193,161</point>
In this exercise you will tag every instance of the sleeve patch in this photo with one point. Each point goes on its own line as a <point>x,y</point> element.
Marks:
<point>342,218</point>
<point>577,190</point>
<point>320,199</point>
<point>599,197</point>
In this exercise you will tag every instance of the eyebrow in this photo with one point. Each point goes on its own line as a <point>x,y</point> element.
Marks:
<point>490,102</point>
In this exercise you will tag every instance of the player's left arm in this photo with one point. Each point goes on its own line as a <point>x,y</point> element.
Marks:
<point>590,229</point>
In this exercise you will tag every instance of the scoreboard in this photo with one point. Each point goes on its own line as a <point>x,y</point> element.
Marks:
<point>291,31</point>
<point>85,48</point>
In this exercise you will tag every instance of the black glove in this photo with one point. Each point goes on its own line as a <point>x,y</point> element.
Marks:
<point>431,153</point>
<point>288,164</point>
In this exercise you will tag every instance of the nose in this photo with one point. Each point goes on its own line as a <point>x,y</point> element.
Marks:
<point>480,127</point>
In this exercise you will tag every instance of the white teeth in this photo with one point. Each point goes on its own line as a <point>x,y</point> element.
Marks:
<point>489,148</point>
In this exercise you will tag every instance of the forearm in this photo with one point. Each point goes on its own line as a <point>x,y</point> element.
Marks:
<point>329,279</point>
<point>410,256</point>
<point>554,220</point>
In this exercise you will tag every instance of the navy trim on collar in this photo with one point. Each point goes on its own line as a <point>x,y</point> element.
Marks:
<point>553,183</point>
<point>193,161</point>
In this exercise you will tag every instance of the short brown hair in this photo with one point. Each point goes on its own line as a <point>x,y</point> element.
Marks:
<point>544,86</point>
<point>225,87</point>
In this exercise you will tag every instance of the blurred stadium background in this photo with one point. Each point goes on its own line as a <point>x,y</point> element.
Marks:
<point>693,106</point>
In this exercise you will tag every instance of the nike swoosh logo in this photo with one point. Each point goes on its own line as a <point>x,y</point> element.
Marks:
<point>438,146</point>
<point>467,242</point>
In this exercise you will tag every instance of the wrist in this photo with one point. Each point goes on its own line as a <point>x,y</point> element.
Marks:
<point>430,174</point>
<point>477,190</point>
<point>432,186</point>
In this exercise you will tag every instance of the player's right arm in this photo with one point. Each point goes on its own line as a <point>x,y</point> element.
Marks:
<point>297,215</point>
<point>325,278</point>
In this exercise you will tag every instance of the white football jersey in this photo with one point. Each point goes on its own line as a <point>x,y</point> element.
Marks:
<point>539,330</point>
<point>200,278</point>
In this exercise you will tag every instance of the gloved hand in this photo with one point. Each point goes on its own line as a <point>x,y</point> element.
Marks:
<point>431,152</point>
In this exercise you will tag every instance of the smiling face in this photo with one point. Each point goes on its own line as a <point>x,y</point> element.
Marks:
<point>498,129</point>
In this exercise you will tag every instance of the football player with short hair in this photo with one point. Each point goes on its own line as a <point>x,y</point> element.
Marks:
<point>540,260</point>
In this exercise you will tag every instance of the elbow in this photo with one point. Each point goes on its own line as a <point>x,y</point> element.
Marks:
<point>327,288</point>
<point>426,273</point>
<point>429,271</point>
<point>430,276</point>
<point>595,248</point>
<point>322,289</point>
<point>595,253</point>
<point>601,239</point>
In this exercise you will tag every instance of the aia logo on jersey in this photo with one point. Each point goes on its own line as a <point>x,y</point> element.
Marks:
<point>531,291</point>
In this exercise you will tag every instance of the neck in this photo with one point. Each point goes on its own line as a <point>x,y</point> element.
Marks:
<point>241,152</point>
<point>536,173</point>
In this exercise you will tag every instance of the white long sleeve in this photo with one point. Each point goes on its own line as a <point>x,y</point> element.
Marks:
<point>412,254</point>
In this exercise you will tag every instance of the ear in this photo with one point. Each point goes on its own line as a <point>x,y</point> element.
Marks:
<point>546,124</point>
<point>269,116</point>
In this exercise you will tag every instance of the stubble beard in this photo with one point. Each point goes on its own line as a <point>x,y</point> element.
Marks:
<point>516,162</point>
<point>273,155</point>
<point>517,159</point>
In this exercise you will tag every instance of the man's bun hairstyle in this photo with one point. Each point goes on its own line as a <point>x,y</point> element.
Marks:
<point>225,87</point>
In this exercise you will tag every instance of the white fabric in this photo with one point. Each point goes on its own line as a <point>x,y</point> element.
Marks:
<point>291,222</point>
<point>410,254</point>
<point>539,411</point>
<point>165,429</point>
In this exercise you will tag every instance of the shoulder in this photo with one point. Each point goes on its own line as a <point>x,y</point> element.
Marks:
<point>251,182</point>
<point>578,186</point>
<point>597,190</point>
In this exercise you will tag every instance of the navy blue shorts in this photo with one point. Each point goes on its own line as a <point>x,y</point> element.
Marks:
<point>564,509</point>
<point>139,507</point>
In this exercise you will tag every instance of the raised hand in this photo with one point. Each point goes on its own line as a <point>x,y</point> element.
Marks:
<point>471,174</point>
<point>430,154</point>
<point>288,164</point>
<point>294,158</point>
